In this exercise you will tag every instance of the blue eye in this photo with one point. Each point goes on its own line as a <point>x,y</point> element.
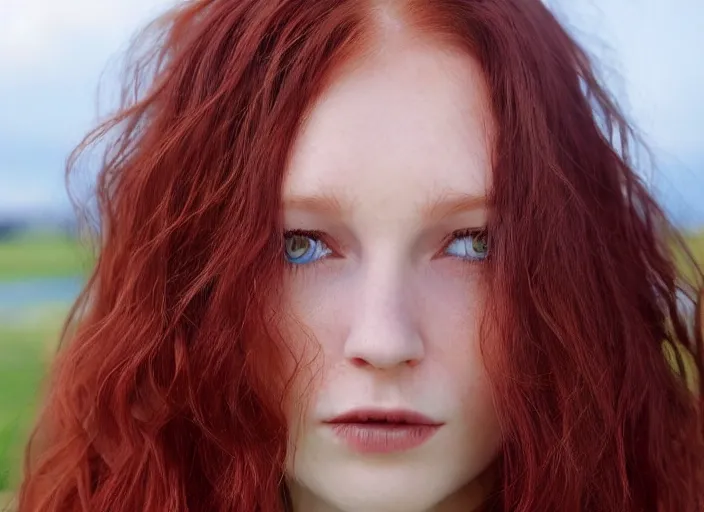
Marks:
<point>470,246</point>
<point>302,249</point>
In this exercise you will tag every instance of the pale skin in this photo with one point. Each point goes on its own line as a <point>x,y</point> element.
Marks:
<point>390,173</point>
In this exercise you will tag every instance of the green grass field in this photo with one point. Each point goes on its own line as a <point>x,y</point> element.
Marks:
<point>696,243</point>
<point>25,348</point>
<point>26,343</point>
<point>42,256</point>
<point>26,339</point>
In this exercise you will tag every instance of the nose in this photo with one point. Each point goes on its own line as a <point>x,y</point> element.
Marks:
<point>385,331</point>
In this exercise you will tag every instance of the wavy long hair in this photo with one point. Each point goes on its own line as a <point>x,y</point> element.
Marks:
<point>164,396</point>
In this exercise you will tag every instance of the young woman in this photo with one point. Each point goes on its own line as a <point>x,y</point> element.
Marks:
<point>372,256</point>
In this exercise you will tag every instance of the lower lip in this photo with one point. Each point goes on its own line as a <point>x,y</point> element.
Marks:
<point>383,437</point>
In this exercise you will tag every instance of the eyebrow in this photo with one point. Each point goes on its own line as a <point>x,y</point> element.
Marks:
<point>448,205</point>
<point>442,207</point>
<point>315,204</point>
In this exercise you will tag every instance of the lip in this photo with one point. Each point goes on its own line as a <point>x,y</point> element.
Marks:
<point>378,431</point>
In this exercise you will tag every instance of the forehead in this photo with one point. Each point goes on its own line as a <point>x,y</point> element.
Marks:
<point>397,129</point>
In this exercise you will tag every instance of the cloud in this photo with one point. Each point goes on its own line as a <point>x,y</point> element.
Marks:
<point>34,32</point>
<point>652,52</point>
<point>649,53</point>
<point>52,53</point>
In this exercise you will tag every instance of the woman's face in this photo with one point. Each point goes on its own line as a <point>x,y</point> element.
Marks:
<point>384,211</point>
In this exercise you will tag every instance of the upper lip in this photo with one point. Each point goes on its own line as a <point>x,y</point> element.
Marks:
<point>395,416</point>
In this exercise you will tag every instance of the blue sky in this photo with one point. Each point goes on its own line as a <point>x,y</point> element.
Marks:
<point>52,54</point>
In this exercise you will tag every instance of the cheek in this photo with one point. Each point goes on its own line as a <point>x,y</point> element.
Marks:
<point>312,327</point>
<point>451,307</point>
<point>315,302</point>
<point>453,310</point>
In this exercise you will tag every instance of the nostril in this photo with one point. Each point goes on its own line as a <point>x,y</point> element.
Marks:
<point>359,362</point>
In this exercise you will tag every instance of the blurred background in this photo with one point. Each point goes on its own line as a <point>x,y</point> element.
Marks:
<point>55,53</point>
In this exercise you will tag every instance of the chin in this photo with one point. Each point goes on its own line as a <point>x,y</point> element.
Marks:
<point>384,497</point>
<point>376,492</point>
<point>400,485</point>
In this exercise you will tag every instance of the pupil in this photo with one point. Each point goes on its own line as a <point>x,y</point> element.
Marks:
<point>479,244</point>
<point>297,246</point>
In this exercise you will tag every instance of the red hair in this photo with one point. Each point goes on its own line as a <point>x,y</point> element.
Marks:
<point>162,396</point>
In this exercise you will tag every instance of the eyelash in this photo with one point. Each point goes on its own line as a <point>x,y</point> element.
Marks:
<point>320,236</point>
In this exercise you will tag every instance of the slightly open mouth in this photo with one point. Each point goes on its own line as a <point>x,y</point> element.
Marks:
<point>383,418</point>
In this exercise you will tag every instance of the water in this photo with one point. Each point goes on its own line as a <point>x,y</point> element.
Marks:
<point>30,293</point>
